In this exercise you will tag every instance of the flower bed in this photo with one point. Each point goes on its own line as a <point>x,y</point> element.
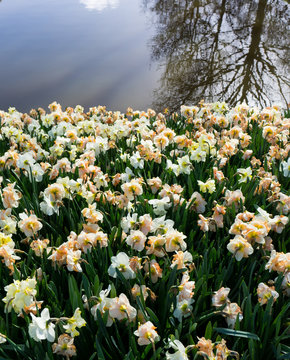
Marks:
<point>144,235</point>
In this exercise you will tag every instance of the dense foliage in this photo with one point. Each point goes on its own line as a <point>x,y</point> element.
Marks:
<point>144,235</point>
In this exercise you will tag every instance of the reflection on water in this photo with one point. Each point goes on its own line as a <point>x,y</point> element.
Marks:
<point>221,50</point>
<point>99,5</point>
<point>231,50</point>
<point>60,50</point>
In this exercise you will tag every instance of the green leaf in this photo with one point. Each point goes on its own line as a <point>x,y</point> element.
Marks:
<point>208,331</point>
<point>74,294</point>
<point>237,333</point>
<point>284,357</point>
<point>153,316</point>
<point>93,356</point>
<point>103,330</point>
<point>101,355</point>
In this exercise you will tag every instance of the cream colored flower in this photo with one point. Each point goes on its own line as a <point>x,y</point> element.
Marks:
<point>181,259</point>
<point>136,291</point>
<point>252,234</point>
<point>64,346</point>
<point>146,334</point>
<point>220,297</point>
<point>232,311</point>
<point>279,262</point>
<point>160,205</point>
<point>132,189</point>
<point>92,215</point>
<point>185,288</point>
<point>145,223</point>
<point>184,165</point>
<point>136,240</point>
<point>30,225</point>
<point>205,346</point>
<point>155,184</point>
<point>175,241</point>
<point>240,247</point>
<point>121,309</point>
<point>234,197</point>
<point>55,191</point>
<point>183,308</point>
<point>155,270</point>
<point>38,246</point>
<point>197,203</point>
<point>10,196</point>
<point>73,259</point>
<point>155,245</point>
<point>20,294</point>
<point>266,292</point>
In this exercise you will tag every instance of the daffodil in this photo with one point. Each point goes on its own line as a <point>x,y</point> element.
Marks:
<point>240,247</point>
<point>265,293</point>
<point>76,321</point>
<point>208,186</point>
<point>41,328</point>
<point>160,205</point>
<point>180,351</point>
<point>20,294</point>
<point>146,333</point>
<point>285,167</point>
<point>121,262</point>
<point>245,174</point>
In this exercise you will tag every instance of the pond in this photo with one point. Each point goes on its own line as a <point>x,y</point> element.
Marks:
<point>143,53</point>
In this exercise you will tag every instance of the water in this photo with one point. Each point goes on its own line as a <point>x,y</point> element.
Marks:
<point>142,53</point>
<point>222,50</point>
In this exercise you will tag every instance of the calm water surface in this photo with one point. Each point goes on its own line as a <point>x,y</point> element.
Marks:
<point>143,53</point>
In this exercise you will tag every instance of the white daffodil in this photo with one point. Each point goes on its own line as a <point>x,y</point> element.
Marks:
<point>183,308</point>
<point>285,167</point>
<point>48,206</point>
<point>184,165</point>
<point>173,167</point>
<point>127,175</point>
<point>8,225</point>
<point>25,161</point>
<point>162,226</point>
<point>36,173</point>
<point>124,157</point>
<point>264,215</point>
<point>99,145</point>
<point>104,304</point>
<point>180,353</point>
<point>2,338</point>
<point>240,247</point>
<point>41,328</point>
<point>246,174</point>
<point>136,161</point>
<point>198,155</point>
<point>122,263</point>
<point>128,222</point>
<point>160,205</point>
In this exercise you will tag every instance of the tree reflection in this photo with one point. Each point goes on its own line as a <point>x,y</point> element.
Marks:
<point>221,50</point>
